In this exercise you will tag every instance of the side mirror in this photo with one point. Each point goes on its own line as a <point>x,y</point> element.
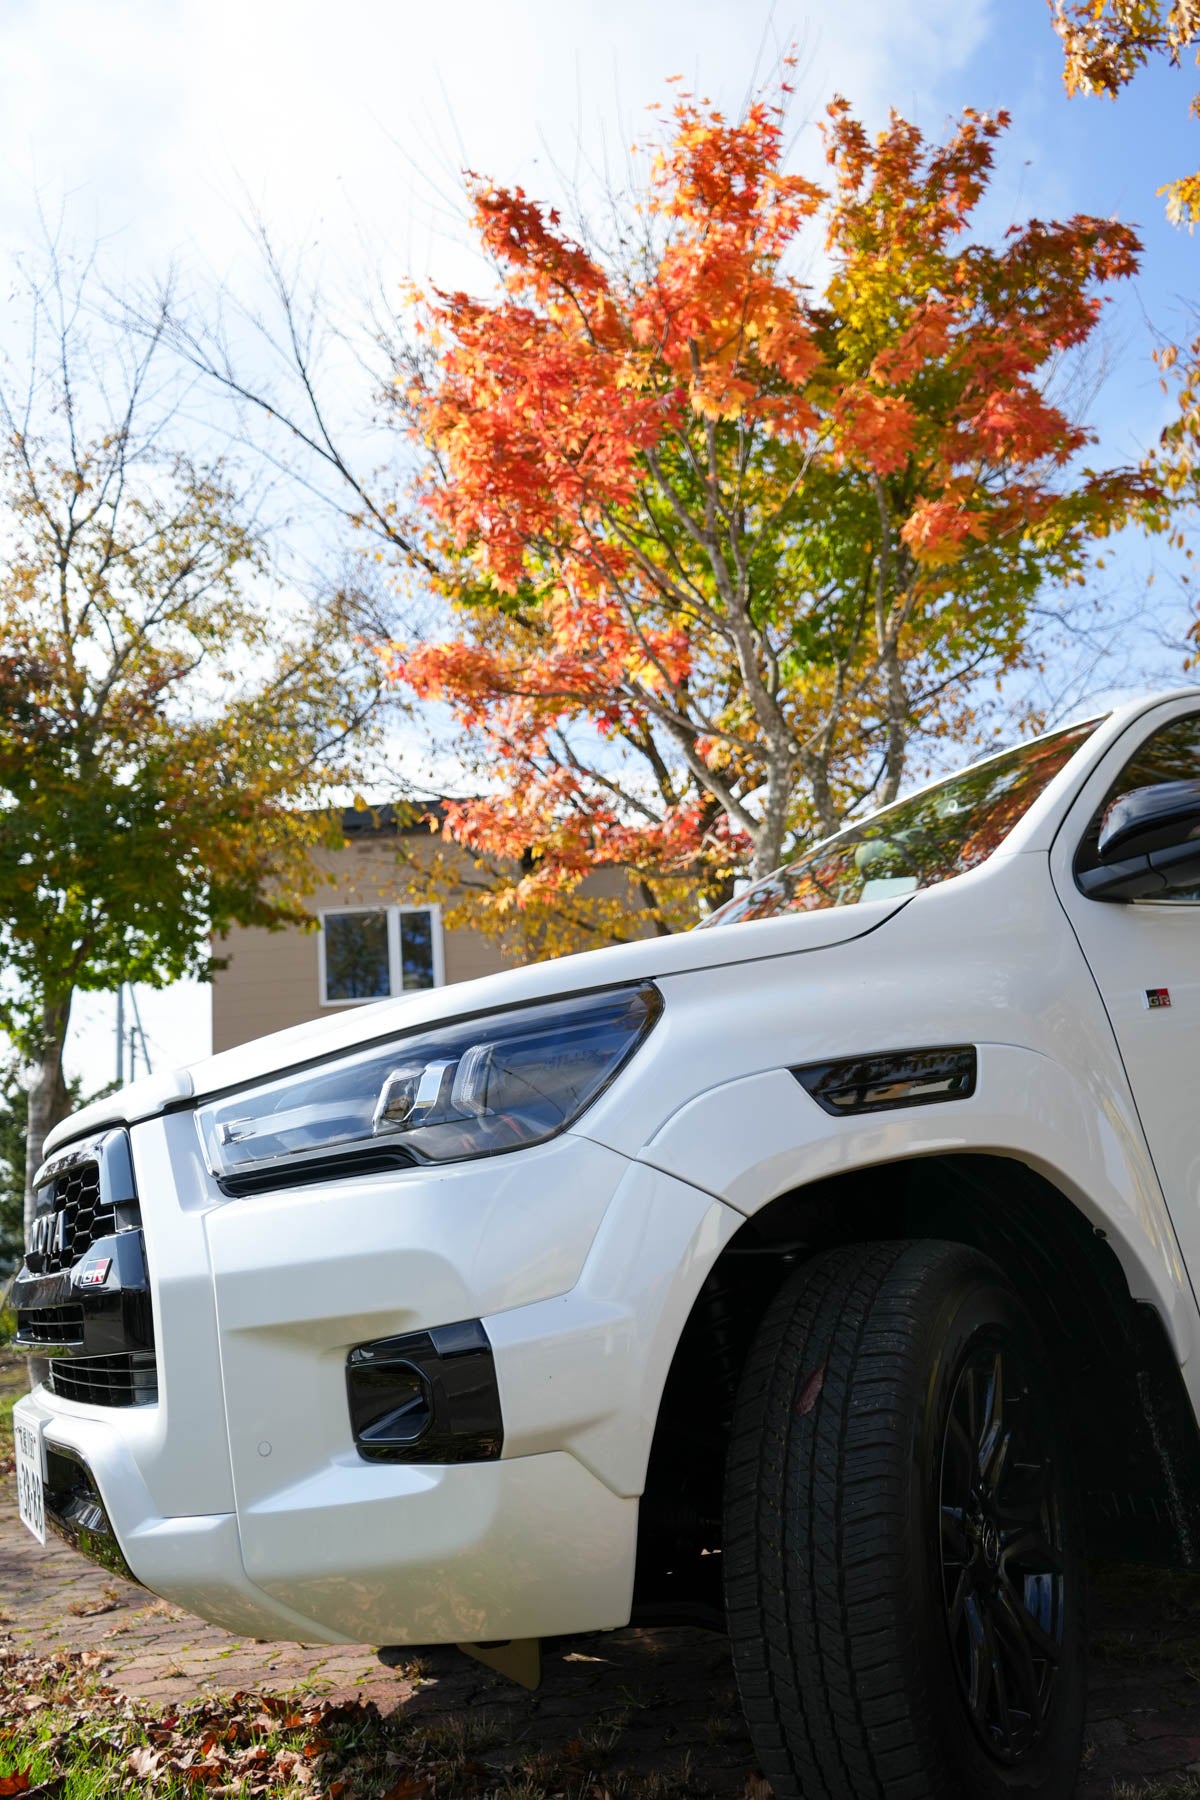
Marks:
<point>1149,844</point>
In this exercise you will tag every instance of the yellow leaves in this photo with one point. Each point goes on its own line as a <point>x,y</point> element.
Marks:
<point>721,399</point>
<point>644,674</point>
<point>1183,200</point>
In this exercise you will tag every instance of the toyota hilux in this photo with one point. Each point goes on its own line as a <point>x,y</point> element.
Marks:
<point>823,1274</point>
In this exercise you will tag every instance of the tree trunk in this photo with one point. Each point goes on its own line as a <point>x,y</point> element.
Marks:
<point>816,770</point>
<point>895,754</point>
<point>47,1093</point>
<point>768,850</point>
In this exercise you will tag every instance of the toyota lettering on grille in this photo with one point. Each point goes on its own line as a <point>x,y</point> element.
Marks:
<point>47,1236</point>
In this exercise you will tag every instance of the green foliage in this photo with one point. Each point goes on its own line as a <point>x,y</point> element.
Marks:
<point>153,756</point>
<point>168,721</point>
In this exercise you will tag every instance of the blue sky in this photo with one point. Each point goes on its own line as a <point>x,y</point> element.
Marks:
<point>152,122</point>
<point>1093,155</point>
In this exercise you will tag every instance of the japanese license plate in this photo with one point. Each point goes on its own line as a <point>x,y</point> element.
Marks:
<point>30,1502</point>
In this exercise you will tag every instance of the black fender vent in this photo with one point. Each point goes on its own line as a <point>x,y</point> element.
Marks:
<point>891,1079</point>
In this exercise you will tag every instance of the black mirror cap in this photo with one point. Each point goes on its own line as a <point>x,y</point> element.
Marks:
<point>1144,877</point>
<point>1162,817</point>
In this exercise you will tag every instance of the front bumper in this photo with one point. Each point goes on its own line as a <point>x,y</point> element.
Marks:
<point>424,1555</point>
<point>240,1493</point>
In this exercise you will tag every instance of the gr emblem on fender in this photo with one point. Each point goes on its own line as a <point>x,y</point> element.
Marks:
<point>1156,997</point>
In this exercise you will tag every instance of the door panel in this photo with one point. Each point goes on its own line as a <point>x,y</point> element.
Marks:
<point>1145,958</point>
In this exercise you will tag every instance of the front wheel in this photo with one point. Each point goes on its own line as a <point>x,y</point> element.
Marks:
<point>902,1552</point>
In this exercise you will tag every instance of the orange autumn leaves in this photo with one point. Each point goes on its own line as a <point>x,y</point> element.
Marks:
<point>545,404</point>
<point>727,514</point>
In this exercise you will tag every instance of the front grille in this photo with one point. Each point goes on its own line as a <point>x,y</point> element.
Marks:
<point>70,1218</point>
<point>82,1296</point>
<point>77,1193</point>
<point>129,1380</point>
<point>50,1324</point>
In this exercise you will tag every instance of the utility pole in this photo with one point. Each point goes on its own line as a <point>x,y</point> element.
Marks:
<point>137,1037</point>
<point>133,1041</point>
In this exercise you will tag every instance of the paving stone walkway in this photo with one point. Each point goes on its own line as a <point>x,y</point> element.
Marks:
<point>664,1699</point>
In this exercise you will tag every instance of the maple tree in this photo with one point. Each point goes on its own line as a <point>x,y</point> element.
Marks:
<point>721,547</point>
<point>160,726</point>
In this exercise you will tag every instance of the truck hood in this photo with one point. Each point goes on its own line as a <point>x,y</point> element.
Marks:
<point>643,960</point>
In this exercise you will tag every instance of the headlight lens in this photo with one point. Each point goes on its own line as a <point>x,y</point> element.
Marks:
<point>492,1084</point>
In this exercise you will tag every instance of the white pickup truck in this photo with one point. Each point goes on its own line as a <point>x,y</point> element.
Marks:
<point>821,1274</point>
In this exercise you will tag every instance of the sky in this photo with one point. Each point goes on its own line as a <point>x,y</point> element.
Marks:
<point>155,126</point>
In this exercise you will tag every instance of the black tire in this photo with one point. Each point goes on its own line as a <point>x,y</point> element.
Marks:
<point>853,1601</point>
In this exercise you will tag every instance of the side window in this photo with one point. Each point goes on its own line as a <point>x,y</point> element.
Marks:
<point>1172,753</point>
<point>371,954</point>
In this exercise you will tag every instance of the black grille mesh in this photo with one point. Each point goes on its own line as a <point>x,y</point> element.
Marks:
<point>76,1192</point>
<point>50,1324</point>
<point>129,1380</point>
<point>78,1189</point>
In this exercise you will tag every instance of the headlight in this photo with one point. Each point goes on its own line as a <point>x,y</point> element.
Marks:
<point>491,1084</point>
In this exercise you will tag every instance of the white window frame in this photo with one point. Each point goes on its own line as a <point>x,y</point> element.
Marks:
<point>395,965</point>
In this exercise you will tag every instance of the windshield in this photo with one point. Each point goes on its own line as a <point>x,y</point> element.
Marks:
<point>941,832</point>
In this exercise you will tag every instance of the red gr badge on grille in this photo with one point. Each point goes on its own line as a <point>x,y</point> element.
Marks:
<point>94,1272</point>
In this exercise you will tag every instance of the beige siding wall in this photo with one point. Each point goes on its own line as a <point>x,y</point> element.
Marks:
<point>271,978</point>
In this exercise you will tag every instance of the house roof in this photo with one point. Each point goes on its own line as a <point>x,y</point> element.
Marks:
<point>391,820</point>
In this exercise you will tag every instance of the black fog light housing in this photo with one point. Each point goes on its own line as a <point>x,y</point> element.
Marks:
<point>391,1403</point>
<point>426,1396</point>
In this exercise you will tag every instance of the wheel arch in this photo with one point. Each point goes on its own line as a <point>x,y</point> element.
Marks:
<point>1135,1434</point>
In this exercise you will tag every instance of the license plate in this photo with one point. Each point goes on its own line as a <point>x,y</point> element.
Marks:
<point>30,1498</point>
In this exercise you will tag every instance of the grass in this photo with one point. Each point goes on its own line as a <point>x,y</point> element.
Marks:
<point>14,1381</point>
<point>80,1741</point>
<point>68,1736</point>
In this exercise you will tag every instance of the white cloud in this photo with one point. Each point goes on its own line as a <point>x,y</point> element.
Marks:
<point>159,117</point>
<point>156,119</point>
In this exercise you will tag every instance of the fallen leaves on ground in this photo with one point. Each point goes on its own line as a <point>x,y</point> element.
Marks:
<point>247,1744</point>
<point>61,1717</point>
<point>107,1602</point>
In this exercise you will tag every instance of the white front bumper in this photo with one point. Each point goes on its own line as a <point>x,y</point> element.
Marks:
<point>241,1494</point>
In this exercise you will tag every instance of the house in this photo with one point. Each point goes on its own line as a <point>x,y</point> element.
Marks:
<point>377,934</point>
